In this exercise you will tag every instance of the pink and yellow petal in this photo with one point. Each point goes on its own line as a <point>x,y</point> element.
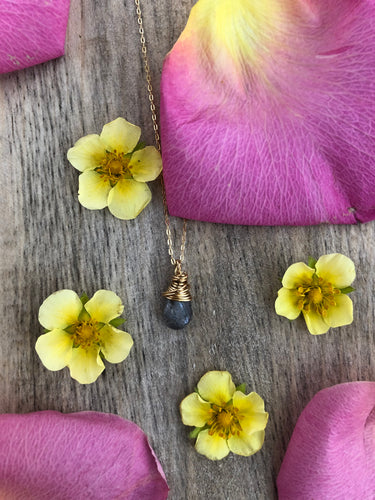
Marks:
<point>120,136</point>
<point>194,410</point>
<point>297,275</point>
<point>145,165</point>
<point>336,269</point>
<point>342,313</point>
<point>213,447</point>
<point>315,323</point>
<point>87,153</point>
<point>262,143</point>
<point>104,306</point>
<point>85,365</point>
<point>54,349</point>
<point>93,190</point>
<point>59,310</point>
<point>216,387</point>
<point>128,198</point>
<point>246,444</point>
<point>115,344</point>
<point>287,303</point>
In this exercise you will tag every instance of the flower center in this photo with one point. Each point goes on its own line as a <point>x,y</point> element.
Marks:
<point>315,295</point>
<point>114,167</point>
<point>319,296</point>
<point>85,333</point>
<point>225,422</point>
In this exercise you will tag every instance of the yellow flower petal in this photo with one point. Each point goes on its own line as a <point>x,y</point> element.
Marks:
<point>145,165</point>
<point>315,323</point>
<point>287,303</point>
<point>213,447</point>
<point>115,344</point>
<point>342,313</point>
<point>336,269</point>
<point>85,365</point>
<point>120,135</point>
<point>297,274</point>
<point>60,310</point>
<point>87,153</point>
<point>216,387</point>
<point>195,411</point>
<point>251,402</point>
<point>128,198</point>
<point>54,349</point>
<point>93,190</point>
<point>246,444</point>
<point>251,411</point>
<point>104,306</point>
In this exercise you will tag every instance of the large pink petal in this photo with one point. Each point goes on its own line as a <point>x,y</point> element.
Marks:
<point>32,31</point>
<point>331,454</point>
<point>81,455</point>
<point>268,113</point>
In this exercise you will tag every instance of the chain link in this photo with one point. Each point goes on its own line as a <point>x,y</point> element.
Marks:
<point>146,66</point>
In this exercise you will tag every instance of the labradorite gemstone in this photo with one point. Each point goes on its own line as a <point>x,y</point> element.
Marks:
<point>177,314</point>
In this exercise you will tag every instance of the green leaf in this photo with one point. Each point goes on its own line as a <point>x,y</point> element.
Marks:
<point>312,262</point>
<point>84,315</point>
<point>117,322</point>
<point>241,388</point>
<point>347,289</point>
<point>194,433</point>
<point>140,145</point>
<point>45,330</point>
<point>84,298</point>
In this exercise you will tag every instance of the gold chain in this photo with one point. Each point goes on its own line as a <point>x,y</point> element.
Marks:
<point>146,66</point>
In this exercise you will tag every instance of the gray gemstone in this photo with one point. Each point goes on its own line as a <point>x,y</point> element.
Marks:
<point>177,314</point>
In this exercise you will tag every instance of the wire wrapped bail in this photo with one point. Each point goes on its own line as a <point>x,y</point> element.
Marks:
<point>179,289</point>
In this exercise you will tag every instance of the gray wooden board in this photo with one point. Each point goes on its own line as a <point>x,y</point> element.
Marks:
<point>49,242</point>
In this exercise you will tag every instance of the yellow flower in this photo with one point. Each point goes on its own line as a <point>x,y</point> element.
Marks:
<point>319,291</point>
<point>225,419</point>
<point>80,332</point>
<point>115,169</point>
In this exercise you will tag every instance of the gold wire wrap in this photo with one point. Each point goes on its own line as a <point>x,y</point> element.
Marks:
<point>179,289</point>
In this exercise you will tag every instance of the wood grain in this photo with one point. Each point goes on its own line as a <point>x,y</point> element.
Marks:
<point>49,242</point>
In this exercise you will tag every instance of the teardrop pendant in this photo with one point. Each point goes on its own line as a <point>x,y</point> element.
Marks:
<point>177,310</point>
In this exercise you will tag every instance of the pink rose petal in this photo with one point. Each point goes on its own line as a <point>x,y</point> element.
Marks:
<point>268,113</point>
<point>84,455</point>
<point>331,455</point>
<point>32,32</point>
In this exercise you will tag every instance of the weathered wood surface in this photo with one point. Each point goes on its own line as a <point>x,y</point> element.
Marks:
<point>49,242</point>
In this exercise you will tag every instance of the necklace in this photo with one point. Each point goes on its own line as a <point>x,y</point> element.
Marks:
<point>177,310</point>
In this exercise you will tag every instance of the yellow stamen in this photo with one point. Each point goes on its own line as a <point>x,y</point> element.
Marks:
<point>224,421</point>
<point>318,295</point>
<point>114,167</point>
<point>300,304</point>
<point>85,334</point>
